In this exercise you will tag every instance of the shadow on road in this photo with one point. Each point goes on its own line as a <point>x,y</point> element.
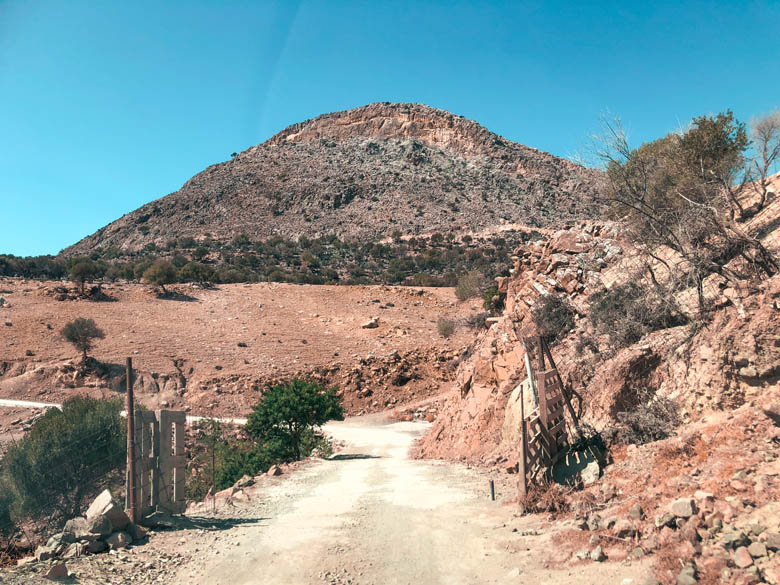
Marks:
<point>348,456</point>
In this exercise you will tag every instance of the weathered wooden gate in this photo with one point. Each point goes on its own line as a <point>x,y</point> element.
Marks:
<point>544,436</point>
<point>160,463</point>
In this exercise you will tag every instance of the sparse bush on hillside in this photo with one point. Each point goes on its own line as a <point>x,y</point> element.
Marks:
<point>478,320</point>
<point>81,333</point>
<point>445,327</point>
<point>470,285</point>
<point>63,459</point>
<point>493,301</point>
<point>628,312</point>
<point>553,316</point>
<point>654,418</point>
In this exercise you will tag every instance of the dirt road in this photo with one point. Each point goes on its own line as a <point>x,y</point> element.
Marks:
<point>372,516</point>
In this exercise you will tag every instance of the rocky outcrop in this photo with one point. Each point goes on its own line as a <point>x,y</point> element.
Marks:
<point>363,174</point>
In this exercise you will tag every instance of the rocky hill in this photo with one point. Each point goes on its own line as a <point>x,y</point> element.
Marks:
<point>364,174</point>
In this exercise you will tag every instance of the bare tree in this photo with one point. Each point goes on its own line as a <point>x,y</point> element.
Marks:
<point>765,132</point>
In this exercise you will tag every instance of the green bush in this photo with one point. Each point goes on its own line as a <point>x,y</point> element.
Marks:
<point>63,458</point>
<point>81,333</point>
<point>287,412</point>
<point>553,316</point>
<point>628,312</point>
<point>161,273</point>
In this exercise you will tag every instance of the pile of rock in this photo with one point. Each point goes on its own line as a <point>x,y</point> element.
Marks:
<point>4,304</point>
<point>105,526</point>
<point>697,528</point>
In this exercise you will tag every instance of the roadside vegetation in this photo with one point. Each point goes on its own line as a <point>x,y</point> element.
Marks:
<point>418,261</point>
<point>283,427</point>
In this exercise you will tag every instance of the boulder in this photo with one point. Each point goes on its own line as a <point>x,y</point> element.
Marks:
<point>104,505</point>
<point>96,546</point>
<point>97,528</point>
<point>44,553</point>
<point>119,539</point>
<point>372,323</point>
<point>624,528</point>
<point>57,571</point>
<point>757,549</point>
<point>597,554</point>
<point>590,473</point>
<point>683,507</point>
<point>772,540</point>
<point>244,482</point>
<point>74,550</point>
<point>274,470</point>
<point>742,558</point>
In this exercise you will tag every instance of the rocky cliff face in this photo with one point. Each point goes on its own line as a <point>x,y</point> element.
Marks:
<point>364,173</point>
<point>732,361</point>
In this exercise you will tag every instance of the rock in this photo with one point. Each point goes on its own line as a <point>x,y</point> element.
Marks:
<point>636,512</point>
<point>372,323</point>
<point>136,532</point>
<point>75,528</point>
<point>96,546</point>
<point>597,555</point>
<point>44,553</point>
<point>97,528</point>
<point>650,581</point>
<point>624,528</point>
<point>274,470</point>
<point>119,539</point>
<point>664,520</point>
<point>244,482</point>
<point>734,539</point>
<point>74,550</point>
<point>593,521</point>
<point>57,571</point>
<point>687,576</point>
<point>104,505</point>
<point>590,474</point>
<point>757,549</point>
<point>683,507</point>
<point>772,540</point>
<point>638,552</point>
<point>742,558</point>
<point>583,554</point>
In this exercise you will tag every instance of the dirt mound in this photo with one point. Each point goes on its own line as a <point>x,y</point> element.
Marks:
<point>363,174</point>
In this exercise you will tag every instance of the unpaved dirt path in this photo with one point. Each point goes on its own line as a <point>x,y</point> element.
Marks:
<point>372,516</point>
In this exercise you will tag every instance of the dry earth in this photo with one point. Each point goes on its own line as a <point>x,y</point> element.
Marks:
<point>370,515</point>
<point>213,353</point>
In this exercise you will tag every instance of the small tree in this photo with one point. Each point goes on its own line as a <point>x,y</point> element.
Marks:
<point>471,284</point>
<point>82,271</point>
<point>445,327</point>
<point>161,273</point>
<point>63,457</point>
<point>81,333</point>
<point>290,411</point>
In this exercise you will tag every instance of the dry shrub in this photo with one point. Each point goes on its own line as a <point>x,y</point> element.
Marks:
<point>653,419</point>
<point>445,327</point>
<point>553,317</point>
<point>547,498</point>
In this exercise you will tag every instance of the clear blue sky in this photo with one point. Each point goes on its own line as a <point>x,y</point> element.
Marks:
<point>105,105</point>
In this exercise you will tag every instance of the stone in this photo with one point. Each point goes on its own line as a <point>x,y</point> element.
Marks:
<point>636,512</point>
<point>638,552</point>
<point>597,555</point>
<point>136,532</point>
<point>244,482</point>
<point>757,549</point>
<point>664,520</point>
<point>593,522</point>
<point>274,470</point>
<point>74,528</point>
<point>683,507</point>
<point>583,554</point>
<point>687,576</point>
<point>104,505</point>
<point>624,528</point>
<point>734,539</point>
<point>97,527</point>
<point>742,558</point>
<point>650,581</point>
<point>372,323</point>
<point>772,540</point>
<point>74,550</point>
<point>44,553</point>
<point>57,571</point>
<point>96,546</point>
<point>590,474</point>
<point>118,540</point>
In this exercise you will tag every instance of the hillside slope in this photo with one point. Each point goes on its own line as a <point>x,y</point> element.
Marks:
<point>364,173</point>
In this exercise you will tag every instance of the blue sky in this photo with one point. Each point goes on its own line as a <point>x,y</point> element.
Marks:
<point>105,106</point>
